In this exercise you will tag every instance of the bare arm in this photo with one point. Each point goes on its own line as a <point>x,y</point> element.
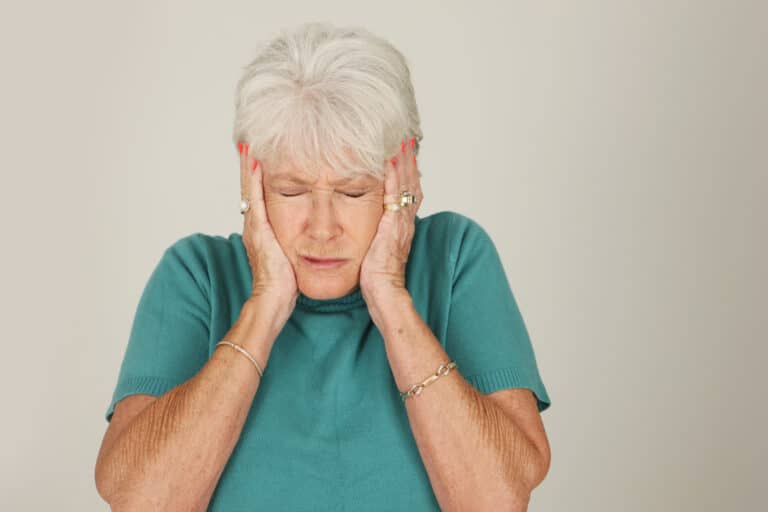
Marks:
<point>478,455</point>
<point>171,455</point>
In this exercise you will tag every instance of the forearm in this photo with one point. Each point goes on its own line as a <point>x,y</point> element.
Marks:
<point>171,455</point>
<point>475,456</point>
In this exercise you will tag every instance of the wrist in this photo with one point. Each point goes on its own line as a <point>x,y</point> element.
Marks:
<point>257,328</point>
<point>271,305</point>
<point>385,307</point>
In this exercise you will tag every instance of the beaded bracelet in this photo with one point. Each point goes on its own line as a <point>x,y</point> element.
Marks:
<point>416,389</point>
<point>244,352</point>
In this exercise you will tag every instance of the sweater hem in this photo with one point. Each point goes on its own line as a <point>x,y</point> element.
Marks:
<point>505,378</point>
<point>134,385</point>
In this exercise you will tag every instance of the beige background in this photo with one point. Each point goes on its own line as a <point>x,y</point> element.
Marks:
<point>616,152</point>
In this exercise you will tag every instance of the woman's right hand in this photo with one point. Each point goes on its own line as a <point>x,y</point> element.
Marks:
<point>273,275</point>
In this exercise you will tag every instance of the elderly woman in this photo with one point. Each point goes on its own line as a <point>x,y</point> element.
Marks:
<point>342,353</point>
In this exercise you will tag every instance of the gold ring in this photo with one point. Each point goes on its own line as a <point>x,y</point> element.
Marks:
<point>406,199</point>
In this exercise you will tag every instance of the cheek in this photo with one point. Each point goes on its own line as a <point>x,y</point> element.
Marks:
<point>283,219</point>
<point>368,223</point>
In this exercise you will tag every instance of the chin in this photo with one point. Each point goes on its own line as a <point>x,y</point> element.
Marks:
<point>326,288</point>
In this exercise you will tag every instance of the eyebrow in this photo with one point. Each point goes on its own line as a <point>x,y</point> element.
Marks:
<point>296,179</point>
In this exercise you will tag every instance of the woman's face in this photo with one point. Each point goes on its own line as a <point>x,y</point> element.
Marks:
<point>324,217</point>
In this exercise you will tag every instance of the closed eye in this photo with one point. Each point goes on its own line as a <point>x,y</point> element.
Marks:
<point>356,192</point>
<point>348,194</point>
<point>292,192</point>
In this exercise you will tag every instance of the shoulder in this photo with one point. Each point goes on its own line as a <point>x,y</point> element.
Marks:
<point>451,258</point>
<point>199,257</point>
<point>199,248</point>
<point>447,224</point>
<point>453,232</point>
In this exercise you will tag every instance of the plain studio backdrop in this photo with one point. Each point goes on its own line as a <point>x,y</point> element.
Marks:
<point>614,150</point>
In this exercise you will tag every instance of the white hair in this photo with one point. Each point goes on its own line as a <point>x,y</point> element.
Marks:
<point>319,93</point>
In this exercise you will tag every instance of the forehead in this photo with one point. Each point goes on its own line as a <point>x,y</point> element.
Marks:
<point>294,176</point>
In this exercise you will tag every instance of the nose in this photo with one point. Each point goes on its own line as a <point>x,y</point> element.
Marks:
<point>323,219</point>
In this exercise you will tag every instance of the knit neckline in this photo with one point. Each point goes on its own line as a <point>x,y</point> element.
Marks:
<point>351,300</point>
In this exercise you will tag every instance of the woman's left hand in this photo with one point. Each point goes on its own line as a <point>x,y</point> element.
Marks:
<point>382,272</point>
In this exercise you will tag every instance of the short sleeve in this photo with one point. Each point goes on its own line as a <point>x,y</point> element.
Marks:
<point>168,342</point>
<point>486,335</point>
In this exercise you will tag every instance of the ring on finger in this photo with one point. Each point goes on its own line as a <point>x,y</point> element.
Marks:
<point>402,200</point>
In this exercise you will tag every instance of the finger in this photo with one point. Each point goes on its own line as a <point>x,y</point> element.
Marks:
<point>256,184</point>
<point>413,168</point>
<point>415,157</point>
<point>407,166</point>
<point>243,173</point>
<point>414,175</point>
<point>391,182</point>
<point>245,189</point>
<point>403,174</point>
<point>408,178</point>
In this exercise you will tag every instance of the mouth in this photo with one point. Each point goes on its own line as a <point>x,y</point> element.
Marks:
<point>323,263</point>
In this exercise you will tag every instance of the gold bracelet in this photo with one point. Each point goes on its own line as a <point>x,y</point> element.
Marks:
<point>416,389</point>
<point>244,352</point>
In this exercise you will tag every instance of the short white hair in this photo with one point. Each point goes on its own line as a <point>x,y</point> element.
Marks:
<point>319,93</point>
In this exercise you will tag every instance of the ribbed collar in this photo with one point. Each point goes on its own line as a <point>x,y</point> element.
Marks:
<point>353,299</point>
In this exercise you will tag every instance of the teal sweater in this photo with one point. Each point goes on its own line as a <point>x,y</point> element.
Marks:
<point>327,429</point>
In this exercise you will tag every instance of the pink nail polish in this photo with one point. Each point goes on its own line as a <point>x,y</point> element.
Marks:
<point>255,164</point>
<point>413,142</point>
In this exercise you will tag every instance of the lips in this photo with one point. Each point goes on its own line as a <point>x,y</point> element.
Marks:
<point>323,260</point>
<point>323,263</point>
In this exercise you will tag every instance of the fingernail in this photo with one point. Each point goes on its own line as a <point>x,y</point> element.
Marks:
<point>393,161</point>
<point>414,159</point>
<point>402,147</point>
<point>240,147</point>
<point>247,148</point>
<point>413,141</point>
<point>255,164</point>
